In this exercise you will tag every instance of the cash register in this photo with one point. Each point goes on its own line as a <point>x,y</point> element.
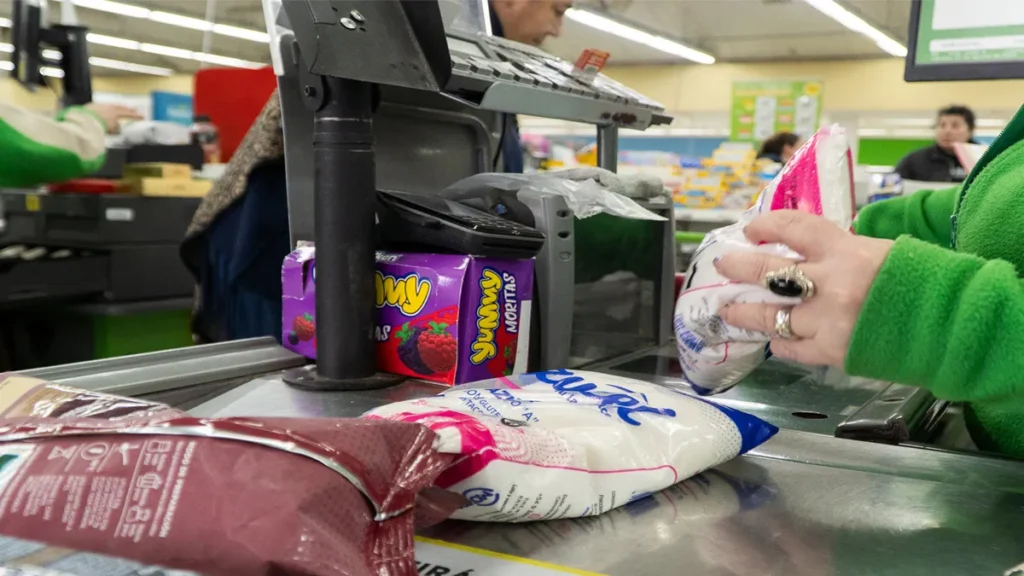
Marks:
<point>435,115</point>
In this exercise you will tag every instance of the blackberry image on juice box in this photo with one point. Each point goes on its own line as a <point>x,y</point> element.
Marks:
<point>448,318</point>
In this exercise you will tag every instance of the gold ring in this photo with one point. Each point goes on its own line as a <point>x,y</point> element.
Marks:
<point>783,328</point>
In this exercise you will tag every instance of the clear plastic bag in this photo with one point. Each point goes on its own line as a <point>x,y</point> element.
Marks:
<point>567,444</point>
<point>715,356</point>
<point>584,197</point>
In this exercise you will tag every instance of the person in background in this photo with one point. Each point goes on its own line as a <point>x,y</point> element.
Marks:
<point>779,147</point>
<point>37,149</point>
<point>530,22</point>
<point>938,162</point>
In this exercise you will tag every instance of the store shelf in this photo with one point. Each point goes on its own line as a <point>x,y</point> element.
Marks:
<point>710,215</point>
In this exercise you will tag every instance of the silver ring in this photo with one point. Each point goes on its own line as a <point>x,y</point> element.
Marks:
<point>783,328</point>
<point>790,282</point>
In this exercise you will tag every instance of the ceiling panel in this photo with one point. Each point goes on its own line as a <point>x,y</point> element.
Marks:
<point>731,30</point>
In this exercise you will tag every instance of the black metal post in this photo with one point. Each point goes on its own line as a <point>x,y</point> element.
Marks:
<point>345,192</point>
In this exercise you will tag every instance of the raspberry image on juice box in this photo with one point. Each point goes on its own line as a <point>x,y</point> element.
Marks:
<point>448,318</point>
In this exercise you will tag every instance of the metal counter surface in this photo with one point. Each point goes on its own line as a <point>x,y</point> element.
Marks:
<point>788,395</point>
<point>804,504</point>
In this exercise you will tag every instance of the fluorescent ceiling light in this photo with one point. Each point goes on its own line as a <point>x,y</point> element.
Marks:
<point>130,67</point>
<point>51,54</point>
<point>114,8</point>
<point>94,61</point>
<point>45,71</point>
<point>151,49</point>
<point>604,24</point>
<point>167,51</point>
<point>111,41</point>
<point>181,21</point>
<point>171,19</point>
<point>224,61</point>
<point>850,20</point>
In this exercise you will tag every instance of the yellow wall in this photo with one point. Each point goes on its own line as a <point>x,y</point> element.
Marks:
<point>854,86</point>
<point>12,92</point>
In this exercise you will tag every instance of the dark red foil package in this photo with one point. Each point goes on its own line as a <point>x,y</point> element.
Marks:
<point>232,497</point>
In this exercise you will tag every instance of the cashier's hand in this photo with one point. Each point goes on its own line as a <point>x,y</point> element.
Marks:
<point>842,267</point>
<point>112,114</point>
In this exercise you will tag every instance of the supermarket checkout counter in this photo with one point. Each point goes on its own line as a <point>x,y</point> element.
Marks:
<point>805,502</point>
<point>86,276</point>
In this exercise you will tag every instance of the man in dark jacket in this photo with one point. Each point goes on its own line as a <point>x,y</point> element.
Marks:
<point>938,162</point>
<point>529,22</point>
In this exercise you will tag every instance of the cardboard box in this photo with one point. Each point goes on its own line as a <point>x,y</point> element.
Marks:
<point>167,187</point>
<point>447,318</point>
<point>158,170</point>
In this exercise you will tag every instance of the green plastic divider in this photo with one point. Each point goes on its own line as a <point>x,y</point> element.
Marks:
<point>887,151</point>
<point>139,333</point>
<point>689,237</point>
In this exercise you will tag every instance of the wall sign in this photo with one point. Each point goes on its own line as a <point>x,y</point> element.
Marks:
<point>762,108</point>
<point>172,107</point>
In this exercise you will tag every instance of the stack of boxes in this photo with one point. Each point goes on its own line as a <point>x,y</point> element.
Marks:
<point>162,179</point>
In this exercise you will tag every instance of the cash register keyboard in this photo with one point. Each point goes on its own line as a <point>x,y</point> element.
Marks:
<point>525,65</point>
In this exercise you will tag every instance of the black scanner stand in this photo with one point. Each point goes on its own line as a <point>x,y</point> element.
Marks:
<point>411,51</point>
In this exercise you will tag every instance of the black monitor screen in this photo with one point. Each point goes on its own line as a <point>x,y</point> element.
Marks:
<point>965,40</point>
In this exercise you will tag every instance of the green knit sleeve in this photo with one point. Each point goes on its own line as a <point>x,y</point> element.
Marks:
<point>949,322</point>
<point>923,215</point>
<point>37,149</point>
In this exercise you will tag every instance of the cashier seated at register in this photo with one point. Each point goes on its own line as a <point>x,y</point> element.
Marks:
<point>37,149</point>
<point>239,235</point>
<point>529,22</point>
<point>938,162</point>
<point>928,292</point>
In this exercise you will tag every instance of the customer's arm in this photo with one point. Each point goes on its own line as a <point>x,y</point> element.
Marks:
<point>35,148</point>
<point>946,321</point>
<point>923,215</point>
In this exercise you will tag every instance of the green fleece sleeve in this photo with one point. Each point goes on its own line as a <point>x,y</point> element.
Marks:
<point>36,149</point>
<point>924,215</point>
<point>949,322</point>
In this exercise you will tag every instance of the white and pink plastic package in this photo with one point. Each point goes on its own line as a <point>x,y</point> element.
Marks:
<point>570,443</point>
<point>715,356</point>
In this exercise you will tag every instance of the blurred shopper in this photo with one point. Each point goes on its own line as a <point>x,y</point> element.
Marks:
<point>938,162</point>
<point>38,149</point>
<point>530,22</point>
<point>780,147</point>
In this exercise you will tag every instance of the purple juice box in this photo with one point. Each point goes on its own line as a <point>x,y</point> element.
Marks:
<point>447,318</point>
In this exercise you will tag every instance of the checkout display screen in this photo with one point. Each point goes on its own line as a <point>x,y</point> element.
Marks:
<point>970,31</point>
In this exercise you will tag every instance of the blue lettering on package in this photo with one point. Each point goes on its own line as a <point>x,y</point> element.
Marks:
<point>624,403</point>
<point>482,496</point>
<point>688,338</point>
<point>753,431</point>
